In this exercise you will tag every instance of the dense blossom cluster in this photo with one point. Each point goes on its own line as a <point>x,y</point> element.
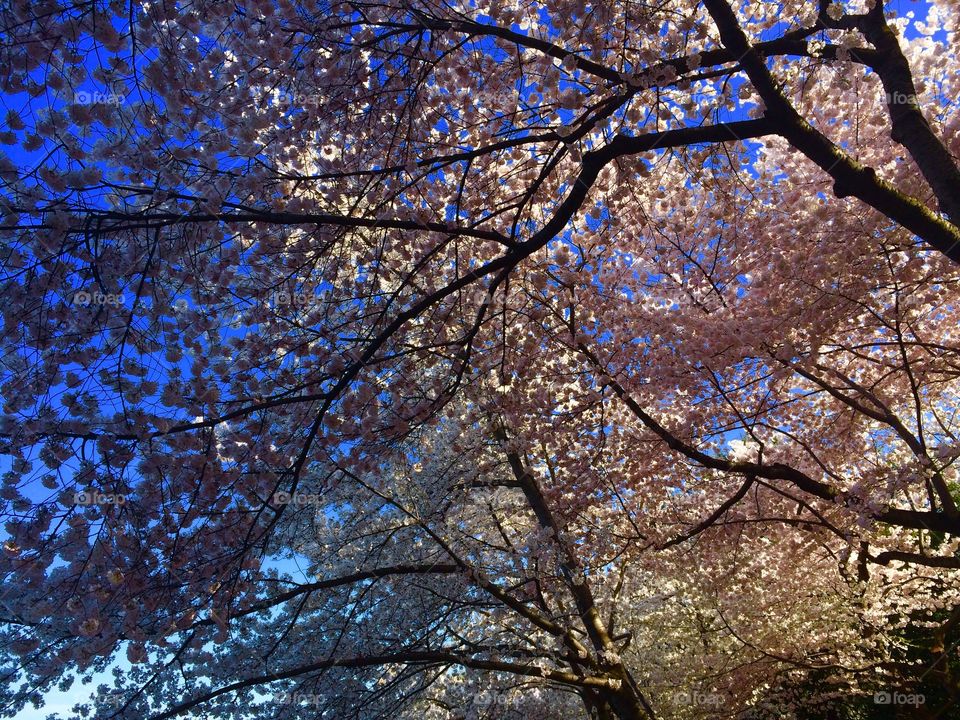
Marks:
<point>588,359</point>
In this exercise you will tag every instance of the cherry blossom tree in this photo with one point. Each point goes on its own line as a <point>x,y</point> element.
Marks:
<point>481,359</point>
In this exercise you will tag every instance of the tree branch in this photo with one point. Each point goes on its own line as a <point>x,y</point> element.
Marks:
<point>850,177</point>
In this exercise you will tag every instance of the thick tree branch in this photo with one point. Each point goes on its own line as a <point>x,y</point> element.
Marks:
<point>352,578</point>
<point>885,558</point>
<point>910,127</point>
<point>850,177</point>
<point>914,519</point>
<point>714,516</point>
<point>412,657</point>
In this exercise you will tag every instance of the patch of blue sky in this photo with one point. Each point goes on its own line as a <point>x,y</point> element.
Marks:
<point>87,687</point>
